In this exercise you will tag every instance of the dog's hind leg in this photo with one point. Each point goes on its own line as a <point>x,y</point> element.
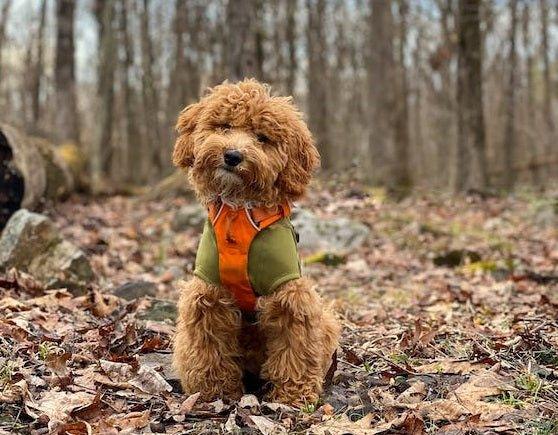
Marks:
<point>206,347</point>
<point>292,322</point>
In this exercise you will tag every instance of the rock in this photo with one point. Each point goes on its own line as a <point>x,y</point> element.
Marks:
<point>31,243</point>
<point>189,216</point>
<point>135,289</point>
<point>160,310</point>
<point>337,234</point>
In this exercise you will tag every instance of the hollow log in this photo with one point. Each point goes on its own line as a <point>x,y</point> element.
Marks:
<point>31,170</point>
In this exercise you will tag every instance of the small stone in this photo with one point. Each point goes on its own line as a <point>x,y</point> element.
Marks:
<point>135,289</point>
<point>31,243</point>
<point>160,310</point>
<point>336,234</point>
<point>189,216</point>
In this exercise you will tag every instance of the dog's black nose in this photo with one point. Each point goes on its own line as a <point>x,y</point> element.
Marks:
<point>233,157</point>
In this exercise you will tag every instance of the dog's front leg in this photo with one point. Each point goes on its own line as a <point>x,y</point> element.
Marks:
<point>292,322</point>
<point>206,347</point>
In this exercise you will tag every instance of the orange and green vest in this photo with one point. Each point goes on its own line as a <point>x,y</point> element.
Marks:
<point>251,252</point>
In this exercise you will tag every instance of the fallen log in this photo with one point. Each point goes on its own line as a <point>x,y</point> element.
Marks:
<point>31,170</point>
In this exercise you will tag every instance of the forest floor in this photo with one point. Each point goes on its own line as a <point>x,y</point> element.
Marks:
<point>450,315</point>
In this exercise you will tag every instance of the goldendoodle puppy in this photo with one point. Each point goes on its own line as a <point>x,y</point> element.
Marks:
<point>247,308</point>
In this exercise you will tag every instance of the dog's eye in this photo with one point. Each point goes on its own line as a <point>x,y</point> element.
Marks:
<point>224,126</point>
<point>262,138</point>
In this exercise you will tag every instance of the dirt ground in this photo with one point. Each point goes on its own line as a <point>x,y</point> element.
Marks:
<point>449,309</point>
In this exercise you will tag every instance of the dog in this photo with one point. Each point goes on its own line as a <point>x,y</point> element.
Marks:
<point>247,309</point>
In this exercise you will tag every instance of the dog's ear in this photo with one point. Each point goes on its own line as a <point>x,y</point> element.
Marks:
<point>183,154</point>
<point>303,160</point>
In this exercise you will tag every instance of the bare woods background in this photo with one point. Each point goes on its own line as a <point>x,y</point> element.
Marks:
<point>429,93</point>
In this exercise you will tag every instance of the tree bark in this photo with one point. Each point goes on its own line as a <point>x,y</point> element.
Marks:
<point>149,95</point>
<point>547,80</point>
<point>470,170</point>
<point>67,119</point>
<point>380,71</point>
<point>291,36</point>
<point>241,56</point>
<point>401,169</point>
<point>6,6</point>
<point>510,137</point>
<point>38,66</point>
<point>318,73</point>
<point>134,143</point>
<point>533,154</point>
<point>102,150</point>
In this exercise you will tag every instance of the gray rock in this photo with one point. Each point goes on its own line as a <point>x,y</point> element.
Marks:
<point>135,289</point>
<point>31,243</point>
<point>189,216</point>
<point>160,310</point>
<point>337,234</point>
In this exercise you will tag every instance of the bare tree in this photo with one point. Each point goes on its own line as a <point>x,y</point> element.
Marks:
<point>150,95</point>
<point>102,150</point>
<point>67,119</point>
<point>510,137</point>
<point>291,36</point>
<point>401,170</point>
<point>3,21</point>
<point>38,66</point>
<point>381,71</point>
<point>547,78</point>
<point>240,43</point>
<point>134,143</point>
<point>470,170</point>
<point>318,98</point>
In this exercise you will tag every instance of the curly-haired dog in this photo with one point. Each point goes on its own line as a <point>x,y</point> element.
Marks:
<point>250,155</point>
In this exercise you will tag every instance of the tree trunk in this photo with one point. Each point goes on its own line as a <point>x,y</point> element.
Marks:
<point>381,71</point>
<point>240,50</point>
<point>150,96</point>
<point>291,36</point>
<point>510,138</point>
<point>3,21</point>
<point>134,143</point>
<point>547,81</point>
<point>67,122</point>
<point>533,154</point>
<point>470,159</point>
<point>401,169</point>
<point>102,151</point>
<point>38,67</point>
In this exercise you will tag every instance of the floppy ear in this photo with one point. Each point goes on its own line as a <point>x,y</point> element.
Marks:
<point>183,154</point>
<point>303,159</point>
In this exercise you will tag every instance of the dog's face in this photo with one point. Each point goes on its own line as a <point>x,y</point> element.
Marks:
<point>246,146</point>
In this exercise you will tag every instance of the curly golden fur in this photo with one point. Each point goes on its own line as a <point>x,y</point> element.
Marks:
<point>295,336</point>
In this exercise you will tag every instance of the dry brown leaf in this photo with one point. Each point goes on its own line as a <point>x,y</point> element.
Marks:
<point>188,404</point>
<point>414,394</point>
<point>132,420</point>
<point>266,426</point>
<point>449,366</point>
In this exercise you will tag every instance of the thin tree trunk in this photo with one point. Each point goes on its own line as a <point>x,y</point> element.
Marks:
<point>291,36</point>
<point>530,142</point>
<point>3,21</point>
<point>510,137</point>
<point>240,45</point>
<point>67,123</point>
<point>380,70</point>
<point>38,67</point>
<point>547,79</point>
<point>133,140</point>
<point>401,169</point>
<point>318,98</point>
<point>149,94</point>
<point>470,164</point>
<point>102,151</point>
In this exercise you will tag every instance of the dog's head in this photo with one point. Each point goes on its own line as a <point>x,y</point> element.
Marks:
<point>246,146</point>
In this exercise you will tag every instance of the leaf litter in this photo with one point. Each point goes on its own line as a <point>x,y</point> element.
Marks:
<point>464,345</point>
